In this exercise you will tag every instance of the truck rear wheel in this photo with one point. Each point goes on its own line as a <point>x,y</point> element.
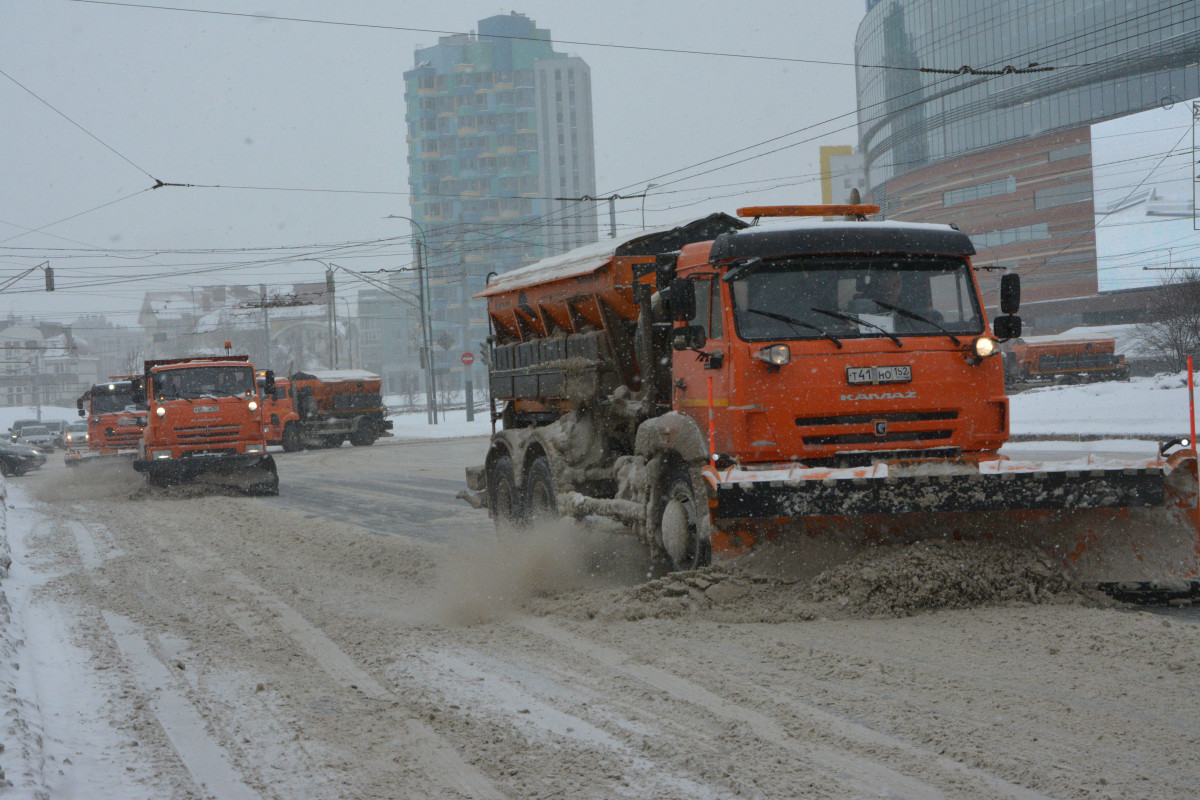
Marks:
<point>540,504</point>
<point>292,440</point>
<point>364,435</point>
<point>680,531</point>
<point>506,499</point>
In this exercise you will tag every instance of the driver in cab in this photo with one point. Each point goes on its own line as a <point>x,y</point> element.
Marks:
<point>888,303</point>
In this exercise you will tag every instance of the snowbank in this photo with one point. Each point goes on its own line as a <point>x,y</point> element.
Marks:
<point>1155,406</point>
<point>452,425</point>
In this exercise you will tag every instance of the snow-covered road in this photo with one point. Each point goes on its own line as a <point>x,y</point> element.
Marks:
<point>230,647</point>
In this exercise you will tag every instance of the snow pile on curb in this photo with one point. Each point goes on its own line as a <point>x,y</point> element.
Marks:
<point>9,643</point>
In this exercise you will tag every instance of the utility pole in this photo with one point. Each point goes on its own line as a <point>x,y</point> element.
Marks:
<point>426,335</point>
<point>262,288</point>
<point>612,206</point>
<point>329,314</point>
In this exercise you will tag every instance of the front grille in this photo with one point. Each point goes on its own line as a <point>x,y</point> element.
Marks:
<point>870,438</point>
<point>121,439</point>
<point>866,419</point>
<point>208,434</point>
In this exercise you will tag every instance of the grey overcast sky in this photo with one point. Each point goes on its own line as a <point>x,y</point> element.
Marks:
<point>234,101</point>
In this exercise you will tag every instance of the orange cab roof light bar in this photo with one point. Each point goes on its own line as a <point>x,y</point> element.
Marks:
<point>807,211</point>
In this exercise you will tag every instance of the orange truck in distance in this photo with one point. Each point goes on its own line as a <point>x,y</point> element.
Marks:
<point>204,425</point>
<point>323,408</point>
<point>1061,359</point>
<point>720,386</point>
<point>116,415</point>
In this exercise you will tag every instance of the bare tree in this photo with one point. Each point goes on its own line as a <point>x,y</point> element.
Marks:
<point>1172,327</point>
<point>446,393</point>
<point>409,383</point>
<point>133,362</point>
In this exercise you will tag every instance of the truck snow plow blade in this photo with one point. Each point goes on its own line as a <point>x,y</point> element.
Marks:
<point>251,475</point>
<point>1132,528</point>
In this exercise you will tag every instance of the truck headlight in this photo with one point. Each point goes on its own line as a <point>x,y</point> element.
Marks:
<point>253,405</point>
<point>775,355</point>
<point>161,454</point>
<point>161,411</point>
<point>984,346</point>
<point>254,448</point>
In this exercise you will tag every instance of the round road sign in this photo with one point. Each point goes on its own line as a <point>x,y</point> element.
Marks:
<point>468,359</point>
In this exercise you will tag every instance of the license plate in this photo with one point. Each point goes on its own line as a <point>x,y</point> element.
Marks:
<point>872,375</point>
<point>207,409</point>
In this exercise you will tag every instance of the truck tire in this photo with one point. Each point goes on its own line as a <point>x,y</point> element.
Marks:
<point>292,440</point>
<point>540,505</point>
<point>678,524</point>
<point>507,508</point>
<point>364,434</point>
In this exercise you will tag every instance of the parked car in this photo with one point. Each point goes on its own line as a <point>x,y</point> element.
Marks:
<point>77,435</point>
<point>58,427</point>
<point>14,433</point>
<point>38,436</point>
<point>17,459</point>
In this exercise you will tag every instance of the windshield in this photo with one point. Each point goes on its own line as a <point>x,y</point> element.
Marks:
<point>855,296</point>
<point>77,427</point>
<point>34,430</point>
<point>109,401</point>
<point>192,382</point>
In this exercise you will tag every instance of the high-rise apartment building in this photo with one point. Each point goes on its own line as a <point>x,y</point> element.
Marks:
<point>499,125</point>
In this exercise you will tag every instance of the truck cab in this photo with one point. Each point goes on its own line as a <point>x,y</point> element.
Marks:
<point>809,351</point>
<point>116,415</point>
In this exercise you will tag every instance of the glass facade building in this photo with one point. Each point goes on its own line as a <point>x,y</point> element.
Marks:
<point>1003,153</point>
<point>498,125</point>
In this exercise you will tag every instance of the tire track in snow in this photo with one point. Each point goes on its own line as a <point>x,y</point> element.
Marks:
<point>438,758</point>
<point>206,761</point>
<point>202,755</point>
<point>862,774</point>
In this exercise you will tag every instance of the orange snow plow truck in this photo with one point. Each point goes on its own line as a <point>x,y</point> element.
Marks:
<point>1065,359</point>
<point>116,415</point>
<point>718,386</point>
<point>323,408</point>
<point>204,425</point>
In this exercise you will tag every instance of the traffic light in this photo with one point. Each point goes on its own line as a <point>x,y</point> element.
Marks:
<point>49,279</point>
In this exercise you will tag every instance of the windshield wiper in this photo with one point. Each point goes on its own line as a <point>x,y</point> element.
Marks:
<point>794,322</point>
<point>860,321</point>
<point>904,312</point>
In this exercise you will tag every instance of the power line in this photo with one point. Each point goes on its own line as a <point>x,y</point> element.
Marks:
<point>577,43</point>
<point>103,143</point>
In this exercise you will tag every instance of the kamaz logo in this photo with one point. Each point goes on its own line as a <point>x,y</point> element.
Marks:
<point>851,398</point>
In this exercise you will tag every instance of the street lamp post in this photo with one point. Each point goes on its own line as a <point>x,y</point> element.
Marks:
<point>421,248</point>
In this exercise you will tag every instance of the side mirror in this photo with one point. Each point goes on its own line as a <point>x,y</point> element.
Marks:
<point>689,337</point>
<point>82,413</point>
<point>1010,293</point>
<point>682,300</point>
<point>1007,327</point>
<point>268,383</point>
